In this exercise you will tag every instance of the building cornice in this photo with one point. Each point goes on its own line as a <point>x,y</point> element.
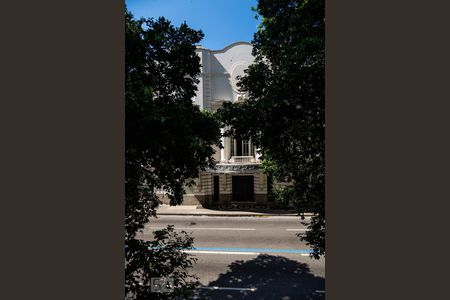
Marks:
<point>226,47</point>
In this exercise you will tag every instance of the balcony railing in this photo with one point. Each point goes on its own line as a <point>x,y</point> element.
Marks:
<point>242,159</point>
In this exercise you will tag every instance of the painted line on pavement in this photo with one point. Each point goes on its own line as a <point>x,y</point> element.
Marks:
<point>242,251</point>
<point>253,250</point>
<point>227,288</point>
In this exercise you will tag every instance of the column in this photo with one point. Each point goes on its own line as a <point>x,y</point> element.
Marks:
<point>227,148</point>
<point>222,150</point>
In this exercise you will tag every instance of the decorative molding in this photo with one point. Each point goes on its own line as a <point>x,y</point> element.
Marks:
<point>233,73</point>
<point>236,168</point>
<point>226,47</point>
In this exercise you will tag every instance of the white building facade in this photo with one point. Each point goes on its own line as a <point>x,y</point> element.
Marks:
<point>237,180</point>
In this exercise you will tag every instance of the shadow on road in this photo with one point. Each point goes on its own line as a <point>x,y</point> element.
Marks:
<point>274,277</point>
<point>254,210</point>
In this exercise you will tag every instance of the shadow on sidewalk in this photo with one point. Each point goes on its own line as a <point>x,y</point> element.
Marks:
<point>274,277</point>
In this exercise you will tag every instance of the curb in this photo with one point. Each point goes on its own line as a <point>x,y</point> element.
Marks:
<point>229,215</point>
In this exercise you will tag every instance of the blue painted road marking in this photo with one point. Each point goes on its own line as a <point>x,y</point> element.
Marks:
<point>259,250</point>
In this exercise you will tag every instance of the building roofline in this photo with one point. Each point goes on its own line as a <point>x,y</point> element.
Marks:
<point>226,48</point>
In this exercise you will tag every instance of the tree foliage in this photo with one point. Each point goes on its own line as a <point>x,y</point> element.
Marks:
<point>168,141</point>
<point>285,111</point>
<point>160,258</point>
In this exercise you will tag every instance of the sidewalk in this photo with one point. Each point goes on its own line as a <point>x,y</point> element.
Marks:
<point>194,210</point>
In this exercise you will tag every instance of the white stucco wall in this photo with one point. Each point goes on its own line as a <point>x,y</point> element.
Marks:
<point>218,73</point>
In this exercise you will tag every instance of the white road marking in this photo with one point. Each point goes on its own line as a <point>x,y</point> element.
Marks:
<point>227,288</point>
<point>296,229</point>
<point>206,228</point>
<point>220,252</point>
<point>304,254</point>
<point>320,292</point>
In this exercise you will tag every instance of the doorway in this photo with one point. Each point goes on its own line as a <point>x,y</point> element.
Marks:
<point>242,187</point>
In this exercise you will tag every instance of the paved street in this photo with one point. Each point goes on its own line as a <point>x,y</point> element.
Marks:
<point>250,257</point>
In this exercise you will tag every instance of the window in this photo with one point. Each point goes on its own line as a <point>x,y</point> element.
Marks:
<point>241,148</point>
<point>245,148</point>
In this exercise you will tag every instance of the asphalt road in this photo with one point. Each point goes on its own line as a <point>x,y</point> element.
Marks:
<point>249,257</point>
